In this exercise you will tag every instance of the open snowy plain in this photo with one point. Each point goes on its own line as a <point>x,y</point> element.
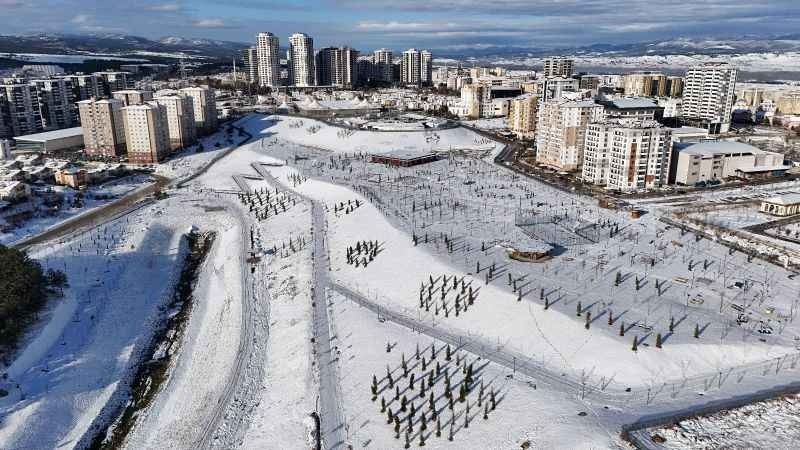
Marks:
<point>629,320</point>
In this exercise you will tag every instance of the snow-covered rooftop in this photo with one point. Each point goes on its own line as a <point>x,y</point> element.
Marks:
<point>720,148</point>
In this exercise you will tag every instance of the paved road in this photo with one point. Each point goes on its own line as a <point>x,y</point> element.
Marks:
<point>332,421</point>
<point>245,349</point>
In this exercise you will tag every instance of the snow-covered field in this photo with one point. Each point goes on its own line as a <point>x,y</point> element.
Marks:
<point>93,197</point>
<point>317,134</point>
<point>246,375</point>
<point>773,424</point>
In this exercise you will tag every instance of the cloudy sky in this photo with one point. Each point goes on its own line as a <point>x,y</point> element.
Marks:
<point>436,24</point>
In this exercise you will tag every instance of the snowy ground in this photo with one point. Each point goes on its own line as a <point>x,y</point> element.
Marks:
<point>499,123</point>
<point>525,412</point>
<point>771,424</point>
<point>94,197</point>
<point>245,375</point>
<point>320,135</point>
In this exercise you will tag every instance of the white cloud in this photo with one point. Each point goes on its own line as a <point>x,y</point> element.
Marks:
<point>81,19</point>
<point>165,7</point>
<point>211,23</point>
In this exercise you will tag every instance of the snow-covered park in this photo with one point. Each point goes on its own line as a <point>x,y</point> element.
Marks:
<point>328,268</point>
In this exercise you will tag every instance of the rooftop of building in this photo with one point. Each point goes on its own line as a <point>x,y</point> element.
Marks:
<point>711,148</point>
<point>406,155</point>
<point>784,200</point>
<point>51,135</point>
<point>631,103</point>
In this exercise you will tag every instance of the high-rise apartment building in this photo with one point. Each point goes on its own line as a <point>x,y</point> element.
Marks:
<point>426,68</point>
<point>180,120</point>
<point>649,84</point>
<point>558,67</point>
<point>708,95</point>
<point>267,56</point>
<point>250,57</point>
<point>146,132</point>
<point>204,103</point>
<point>627,154</point>
<point>103,127</point>
<point>522,113</point>
<point>411,67</point>
<point>383,62</point>
<point>113,81</point>
<point>301,61</point>
<point>55,103</point>
<point>337,66</point>
<point>560,132</point>
<point>19,110</point>
<point>84,87</point>
<point>131,97</point>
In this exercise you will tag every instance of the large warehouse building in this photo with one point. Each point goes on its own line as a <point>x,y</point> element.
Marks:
<point>51,141</point>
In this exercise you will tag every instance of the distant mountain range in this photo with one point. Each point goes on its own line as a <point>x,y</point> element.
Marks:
<point>118,44</point>
<point>677,46</point>
<point>773,53</point>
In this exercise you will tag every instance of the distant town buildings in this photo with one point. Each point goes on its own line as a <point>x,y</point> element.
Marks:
<point>103,127</point>
<point>708,96</point>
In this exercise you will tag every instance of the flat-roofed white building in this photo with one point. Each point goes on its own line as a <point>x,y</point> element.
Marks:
<point>718,160</point>
<point>782,205</point>
<point>708,94</point>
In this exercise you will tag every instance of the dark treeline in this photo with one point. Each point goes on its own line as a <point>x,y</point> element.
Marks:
<point>24,287</point>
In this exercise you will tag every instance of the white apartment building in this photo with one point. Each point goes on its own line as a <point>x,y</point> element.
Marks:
<point>558,67</point>
<point>411,68</point>
<point>383,60</point>
<point>204,102</point>
<point>267,49</point>
<point>180,120</point>
<point>146,133</point>
<point>19,110</point>
<point>301,60</point>
<point>627,154</point>
<point>132,97</point>
<point>708,94</point>
<point>103,127</point>
<point>522,113</point>
<point>561,131</point>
